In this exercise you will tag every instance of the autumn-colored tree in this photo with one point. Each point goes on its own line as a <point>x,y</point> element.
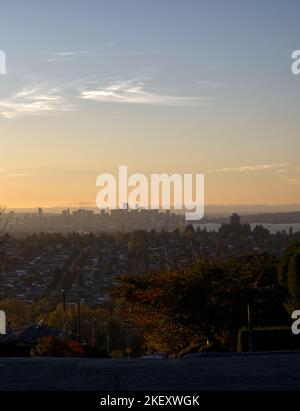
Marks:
<point>205,303</point>
<point>18,312</point>
<point>90,317</point>
<point>55,347</point>
<point>289,275</point>
<point>173,308</point>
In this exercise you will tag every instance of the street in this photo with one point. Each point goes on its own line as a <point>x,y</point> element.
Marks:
<point>259,371</point>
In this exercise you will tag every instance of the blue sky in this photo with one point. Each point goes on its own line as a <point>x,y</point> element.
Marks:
<point>187,86</point>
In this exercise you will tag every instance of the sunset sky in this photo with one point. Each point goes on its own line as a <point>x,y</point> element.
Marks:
<point>160,86</point>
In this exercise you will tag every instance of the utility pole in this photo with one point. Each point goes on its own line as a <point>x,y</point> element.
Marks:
<point>250,328</point>
<point>108,342</point>
<point>127,328</point>
<point>93,332</point>
<point>78,320</point>
<point>127,341</point>
<point>63,295</point>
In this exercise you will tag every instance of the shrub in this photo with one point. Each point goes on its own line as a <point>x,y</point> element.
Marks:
<point>55,347</point>
<point>269,339</point>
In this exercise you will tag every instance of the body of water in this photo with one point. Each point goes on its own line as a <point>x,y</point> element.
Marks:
<point>273,228</point>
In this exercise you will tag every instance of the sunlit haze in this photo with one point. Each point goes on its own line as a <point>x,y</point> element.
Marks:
<point>172,86</point>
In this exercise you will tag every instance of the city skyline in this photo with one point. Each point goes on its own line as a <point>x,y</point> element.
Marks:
<point>160,87</point>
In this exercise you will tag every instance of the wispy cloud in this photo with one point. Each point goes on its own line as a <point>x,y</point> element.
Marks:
<point>291,180</point>
<point>217,84</point>
<point>64,55</point>
<point>220,170</point>
<point>258,167</point>
<point>15,174</point>
<point>281,171</point>
<point>136,92</point>
<point>128,53</point>
<point>79,204</point>
<point>43,98</point>
<point>34,100</point>
<point>72,55</point>
<point>20,175</point>
<point>68,53</point>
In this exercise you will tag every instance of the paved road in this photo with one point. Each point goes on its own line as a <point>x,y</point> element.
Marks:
<point>277,371</point>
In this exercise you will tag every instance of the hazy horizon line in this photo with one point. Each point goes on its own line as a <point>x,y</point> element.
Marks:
<point>234,207</point>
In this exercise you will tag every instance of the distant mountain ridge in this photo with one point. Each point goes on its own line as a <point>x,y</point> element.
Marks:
<point>269,218</point>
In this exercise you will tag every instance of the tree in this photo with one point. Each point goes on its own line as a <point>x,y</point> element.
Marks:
<point>260,233</point>
<point>3,224</point>
<point>206,303</point>
<point>137,244</point>
<point>289,275</point>
<point>18,312</point>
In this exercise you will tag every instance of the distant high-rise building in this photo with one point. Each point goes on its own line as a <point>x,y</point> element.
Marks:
<point>235,219</point>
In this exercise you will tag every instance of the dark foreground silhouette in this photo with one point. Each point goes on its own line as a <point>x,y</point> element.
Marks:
<point>202,372</point>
